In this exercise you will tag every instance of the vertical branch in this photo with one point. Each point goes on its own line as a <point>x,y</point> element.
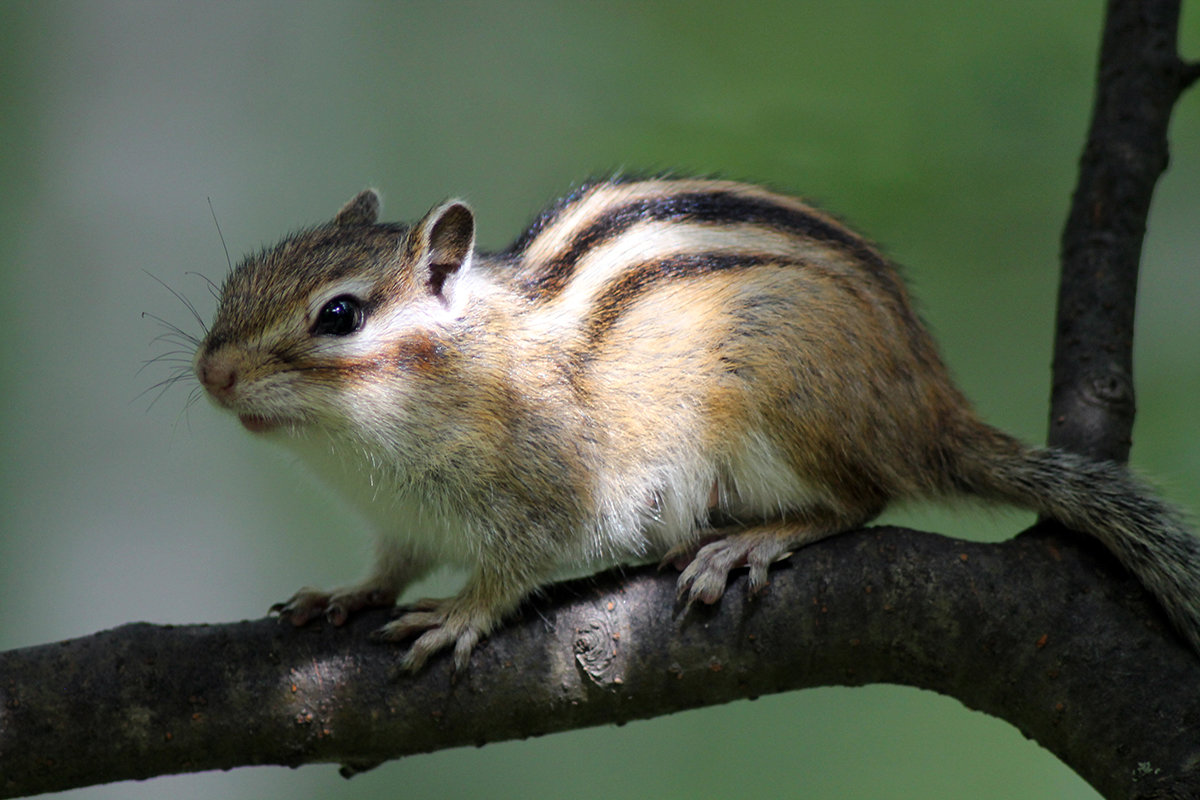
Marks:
<point>1140,77</point>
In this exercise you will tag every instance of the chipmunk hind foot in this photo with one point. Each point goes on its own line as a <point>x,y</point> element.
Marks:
<point>705,577</point>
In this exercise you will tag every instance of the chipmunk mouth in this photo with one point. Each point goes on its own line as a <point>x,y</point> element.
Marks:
<point>259,424</point>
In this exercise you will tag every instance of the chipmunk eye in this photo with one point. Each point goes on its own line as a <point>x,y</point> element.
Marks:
<point>341,316</point>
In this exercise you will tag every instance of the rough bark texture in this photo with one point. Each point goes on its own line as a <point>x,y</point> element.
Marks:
<point>1140,78</point>
<point>1045,631</point>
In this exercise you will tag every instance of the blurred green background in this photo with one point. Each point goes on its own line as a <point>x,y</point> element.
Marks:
<point>948,131</point>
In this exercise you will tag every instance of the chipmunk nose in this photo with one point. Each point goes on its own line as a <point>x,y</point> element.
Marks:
<point>218,376</point>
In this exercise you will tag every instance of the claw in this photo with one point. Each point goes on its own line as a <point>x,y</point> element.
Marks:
<point>308,603</point>
<point>304,605</point>
<point>441,624</point>
<point>681,555</point>
<point>409,624</point>
<point>705,577</point>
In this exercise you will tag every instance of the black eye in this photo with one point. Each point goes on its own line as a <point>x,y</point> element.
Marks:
<point>341,316</point>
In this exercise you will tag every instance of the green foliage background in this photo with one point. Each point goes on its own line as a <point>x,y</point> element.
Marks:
<point>947,130</point>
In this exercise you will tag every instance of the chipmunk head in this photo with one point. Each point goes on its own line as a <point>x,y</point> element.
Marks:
<point>305,330</point>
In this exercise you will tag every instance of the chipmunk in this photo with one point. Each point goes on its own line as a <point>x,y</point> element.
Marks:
<point>647,356</point>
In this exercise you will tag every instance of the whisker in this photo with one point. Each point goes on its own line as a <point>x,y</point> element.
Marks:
<point>178,365</point>
<point>180,356</point>
<point>192,397</point>
<point>212,211</point>
<point>187,304</point>
<point>162,387</point>
<point>213,288</point>
<point>182,348</point>
<point>178,336</point>
<point>173,330</point>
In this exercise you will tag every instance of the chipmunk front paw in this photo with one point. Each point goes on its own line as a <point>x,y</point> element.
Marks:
<point>336,606</point>
<point>441,624</point>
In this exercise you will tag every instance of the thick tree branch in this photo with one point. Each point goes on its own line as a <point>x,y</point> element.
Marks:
<point>1191,74</point>
<point>1139,79</point>
<point>1044,631</point>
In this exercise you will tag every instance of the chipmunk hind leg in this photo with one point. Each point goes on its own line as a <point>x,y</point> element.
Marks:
<point>756,547</point>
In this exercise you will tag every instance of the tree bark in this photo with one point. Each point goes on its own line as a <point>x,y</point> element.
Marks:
<point>1140,77</point>
<point>1045,631</point>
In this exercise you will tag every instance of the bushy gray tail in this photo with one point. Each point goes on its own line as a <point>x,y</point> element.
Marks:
<point>1102,499</point>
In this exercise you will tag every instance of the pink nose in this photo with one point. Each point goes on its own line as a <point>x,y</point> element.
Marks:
<point>218,377</point>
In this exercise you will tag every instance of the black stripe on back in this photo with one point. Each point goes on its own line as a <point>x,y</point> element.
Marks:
<point>547,216</point>
<point>695,207</point>
<point>622,293</point>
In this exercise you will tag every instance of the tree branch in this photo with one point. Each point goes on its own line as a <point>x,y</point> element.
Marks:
<point>1045,631</point>
<point>1140,77</point>
<point>1191,74</point>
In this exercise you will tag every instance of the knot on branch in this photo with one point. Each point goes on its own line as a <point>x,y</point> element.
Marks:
<point>595,649</point>
<point>1110,388</point>
<point>1093,414</point>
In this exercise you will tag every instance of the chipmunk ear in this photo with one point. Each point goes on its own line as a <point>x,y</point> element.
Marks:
<point>443,243</point>
<point>362,209</point>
